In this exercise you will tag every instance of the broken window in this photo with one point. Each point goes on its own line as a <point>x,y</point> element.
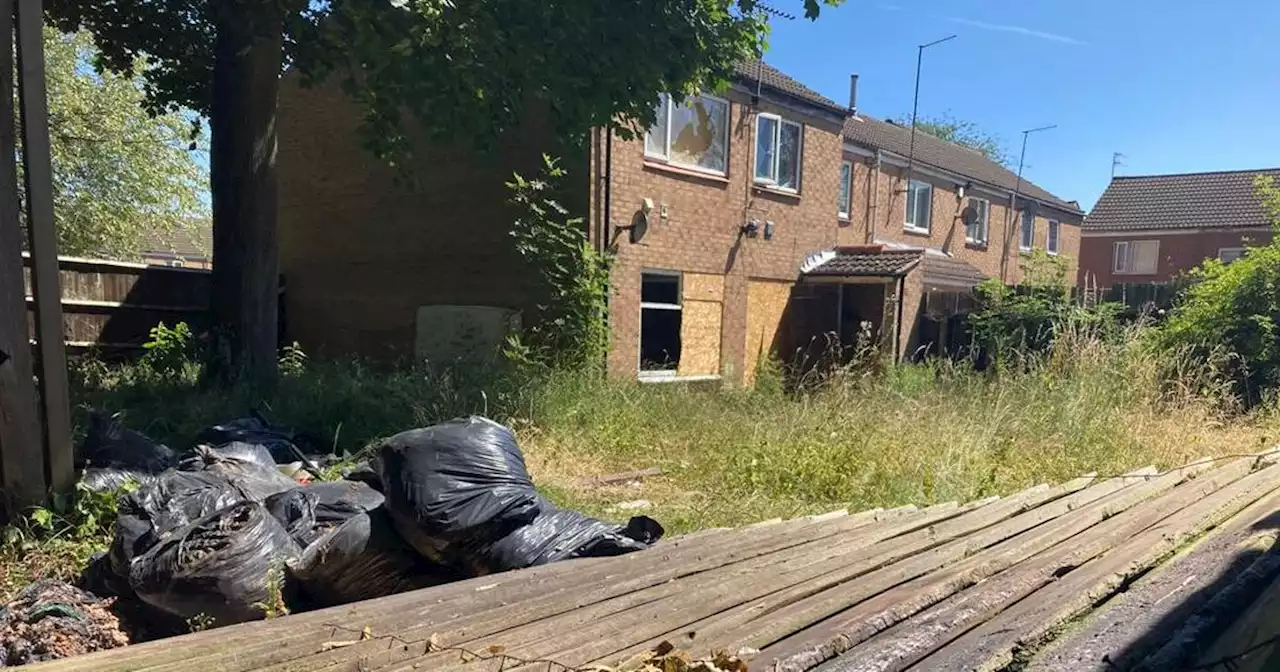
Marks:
<point>660,314</point>
<point>691,134</point>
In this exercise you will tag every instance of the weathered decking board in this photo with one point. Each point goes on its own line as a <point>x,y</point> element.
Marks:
<point>1030,579</point>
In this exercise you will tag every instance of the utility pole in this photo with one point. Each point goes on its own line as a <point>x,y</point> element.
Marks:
<point>915,105</point>
<point>1022,159</point>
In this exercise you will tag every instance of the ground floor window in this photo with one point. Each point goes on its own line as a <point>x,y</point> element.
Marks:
<point>1230,254</point>
<point>660,317</point>
<point>1135,257</point>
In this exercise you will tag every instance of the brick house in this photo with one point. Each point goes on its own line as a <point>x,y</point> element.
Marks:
<point>1153,228</point>
<point>187,247</point>
<point>774,223</point>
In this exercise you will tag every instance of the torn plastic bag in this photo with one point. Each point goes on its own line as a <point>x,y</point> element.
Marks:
<point>110,444</point>
<point>246,466</point>
<point>282,444</point>
<point>111,479</point>
<point>351,551</point>
<point>460,480</point>
<point>228,566</point>
<point>559,534</point>
<point>174,500</point>
<point>49,620</point>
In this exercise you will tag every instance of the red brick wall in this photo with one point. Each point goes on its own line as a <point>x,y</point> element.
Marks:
<point>362,248</point>
<point>701,230</point>
<point>1179,253</point>
<point>878,198</point>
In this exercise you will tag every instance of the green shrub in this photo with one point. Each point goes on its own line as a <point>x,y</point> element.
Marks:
<point>170,350</point>
<point>1229,318</point>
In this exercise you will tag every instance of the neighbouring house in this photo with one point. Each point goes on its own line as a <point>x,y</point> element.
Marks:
<point>1153,228</point>
<point>185,247</point>
<point>776,222</point>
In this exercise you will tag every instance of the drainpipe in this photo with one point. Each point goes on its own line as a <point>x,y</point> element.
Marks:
<point>608,189</point>
<point>897,335</point>
<point>873,201</point>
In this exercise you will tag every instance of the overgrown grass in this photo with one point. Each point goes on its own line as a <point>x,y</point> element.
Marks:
<point>916,434</point>
<point>911,434</point>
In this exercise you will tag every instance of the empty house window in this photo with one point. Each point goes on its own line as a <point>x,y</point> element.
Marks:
<point>659,323</point>
<point>919,205</point>
<point>846,189</point>
<point>1229,254</point>
<point>1027,237</point>
<point>692,134</point>
<point>1051,243</point>
<point>1135,257</point>
<point>977,232</point>
<point>778,152</point>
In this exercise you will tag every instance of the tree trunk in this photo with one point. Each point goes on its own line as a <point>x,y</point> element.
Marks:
<point>246,80</point>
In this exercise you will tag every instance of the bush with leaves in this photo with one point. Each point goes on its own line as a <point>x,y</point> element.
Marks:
<point>170,349</point>
<point>1230,317</point>
<point>570,328</point>
<point>1013,324</point>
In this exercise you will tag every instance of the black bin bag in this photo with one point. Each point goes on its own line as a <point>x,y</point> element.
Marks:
<point>351,551</point>
<point>459,493</point>
<point>113,455</point>
<point>247,466</point>
<point>462,480</point>
<point>228,566</point>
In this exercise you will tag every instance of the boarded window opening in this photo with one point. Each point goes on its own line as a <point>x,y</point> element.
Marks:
<point>660,318</point>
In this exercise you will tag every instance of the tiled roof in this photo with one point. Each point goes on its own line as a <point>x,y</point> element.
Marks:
<point>1187,201</point>
<point>950,272</point>
<point>774,79</point>
<point>192,242</point>
<point>948,156</point>
<point>865,261</point>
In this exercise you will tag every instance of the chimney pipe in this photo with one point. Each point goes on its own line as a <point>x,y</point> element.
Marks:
<point>853,94</point>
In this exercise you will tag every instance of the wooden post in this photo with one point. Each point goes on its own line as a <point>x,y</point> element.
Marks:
<point>21,454</point>
<point>52,364</point>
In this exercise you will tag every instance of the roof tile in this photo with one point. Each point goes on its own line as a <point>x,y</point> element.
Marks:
<point>1185,201</point>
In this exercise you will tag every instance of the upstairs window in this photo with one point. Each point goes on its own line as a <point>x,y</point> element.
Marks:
<point>1229,254</point>
<point>1051,244</point>
<point>846,189</point>
<point>1027,239</point>
<point>1135,257</point>
<point>977,232</point>
<point>778,152</point>
<point>919,205</point>
<point>692,134</point>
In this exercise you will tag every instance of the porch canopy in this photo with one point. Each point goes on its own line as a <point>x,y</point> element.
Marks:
<point>873,263</point>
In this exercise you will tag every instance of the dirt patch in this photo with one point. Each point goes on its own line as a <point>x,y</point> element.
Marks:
<point>50,620</point>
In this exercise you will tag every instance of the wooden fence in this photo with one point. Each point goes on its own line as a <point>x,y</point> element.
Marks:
<point>109,307</point>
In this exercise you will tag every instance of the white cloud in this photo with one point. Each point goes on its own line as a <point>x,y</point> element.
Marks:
<point>1020,30</point>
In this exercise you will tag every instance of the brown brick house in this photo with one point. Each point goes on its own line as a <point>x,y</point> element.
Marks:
<point>775,223</point>
<point>1153,228</point>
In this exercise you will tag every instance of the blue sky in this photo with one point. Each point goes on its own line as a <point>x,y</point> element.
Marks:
<point>1176,86</point>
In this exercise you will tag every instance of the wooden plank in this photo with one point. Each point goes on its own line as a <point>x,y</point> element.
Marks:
<point>548,587</point>
<point>780,625</point>
<point>1032,559</point>
<point>605,638</point>
<point>1031,623</point>
<point>37,169</point>
<point>1152,613</point>
<point>1252,642</point>
<point>21,439</point>
<point>533,620</point>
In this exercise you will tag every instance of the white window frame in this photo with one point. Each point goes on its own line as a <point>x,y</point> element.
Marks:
<point>1240,252</point>
<point>654,305</point>
<point>846,181</point>
<point>985,224</point>
<point>1023,244</point>
<point>1053,237</point>
<point>919,185</point>
<point>1123,263</point>
<point>771,180</point>
<point>665,99</point>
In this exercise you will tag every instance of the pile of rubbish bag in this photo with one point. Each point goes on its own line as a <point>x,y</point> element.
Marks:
<point>50,620</point>
<point>238,528</point>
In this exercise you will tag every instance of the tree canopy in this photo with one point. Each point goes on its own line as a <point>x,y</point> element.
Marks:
<point>119,174</point>
<point>966,134</point>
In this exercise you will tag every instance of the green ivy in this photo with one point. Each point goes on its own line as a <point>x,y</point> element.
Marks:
<point>569,329</point>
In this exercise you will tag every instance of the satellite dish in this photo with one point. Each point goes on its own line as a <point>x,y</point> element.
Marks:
<point>639,226</point>
<point>969,215</point>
